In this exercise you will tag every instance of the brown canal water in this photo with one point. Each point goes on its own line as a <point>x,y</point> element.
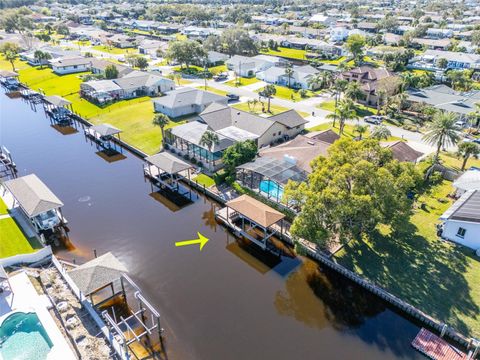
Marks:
<point>221,303</point>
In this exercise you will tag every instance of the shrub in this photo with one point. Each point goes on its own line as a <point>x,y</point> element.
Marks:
<point>186,157</point>
<point>193,160</point>
<point>303,93</point>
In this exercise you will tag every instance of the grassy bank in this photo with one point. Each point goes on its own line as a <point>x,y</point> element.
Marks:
<point>14,241</point>
<point>413,264</point>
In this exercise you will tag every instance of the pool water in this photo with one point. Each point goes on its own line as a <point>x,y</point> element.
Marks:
<point>272,189</point>
<point>23,337</point>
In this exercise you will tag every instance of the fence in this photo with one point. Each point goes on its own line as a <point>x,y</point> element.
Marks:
<point>38,256</point>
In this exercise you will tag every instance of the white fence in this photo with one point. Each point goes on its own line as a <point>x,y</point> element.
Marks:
<point>31,258</point>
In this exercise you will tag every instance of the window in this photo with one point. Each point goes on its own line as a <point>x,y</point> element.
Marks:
<point>279,133</point>
<point>461,232</point>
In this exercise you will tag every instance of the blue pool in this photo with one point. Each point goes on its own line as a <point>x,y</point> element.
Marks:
<point>272,189</point>
<point>23,337</point>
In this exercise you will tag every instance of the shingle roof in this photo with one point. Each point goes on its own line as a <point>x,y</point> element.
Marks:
<point>289,118</point>
<point>71,61</point>
<point>467,208</point>
<point>97,273</point>
<point>328,136</point>
<point>33,195</point>
<point>402,151</point>
<point>188,96</point>
<point>255,210</point>
<point>168,162</point>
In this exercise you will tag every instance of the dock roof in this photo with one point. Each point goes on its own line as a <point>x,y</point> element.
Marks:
<point>105,129</point>
<point>168,162</point>
<point>255,210</point>
<point>57,100</point>
<point>8,74</point>
<point>33,195</point>
<point>97,273</point>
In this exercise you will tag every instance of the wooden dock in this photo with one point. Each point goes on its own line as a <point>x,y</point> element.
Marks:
<point>435,347</point>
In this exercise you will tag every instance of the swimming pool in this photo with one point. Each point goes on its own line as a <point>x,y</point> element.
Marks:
<point>23,337</point>
<point>272,189</point>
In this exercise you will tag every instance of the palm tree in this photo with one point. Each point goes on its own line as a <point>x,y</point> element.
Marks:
<point>339,86</point>
<point>268,91</point>
<point>209,139</point>
<point>289,74</point>
<point>316,80</point>
<point>466,150</point>
<point>381,132</point>
<point>161,120</point>
<point>344,111</point>
<point>361,130</point>
<point>11,56</point>
<point>442,132</point>
<point>354,91</point>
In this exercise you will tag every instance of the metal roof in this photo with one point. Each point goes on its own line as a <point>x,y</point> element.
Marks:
<point>470,180</point>
<point>277,170</point>
<point>168,162</point>
<point>57,100</point>
<point>105,129</point>
<point>97,273</point>
<point>467,208</point>
<point>255,210</point>
<point>33,195</point>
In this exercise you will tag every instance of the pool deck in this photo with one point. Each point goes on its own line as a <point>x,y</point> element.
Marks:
<point>22,296</point>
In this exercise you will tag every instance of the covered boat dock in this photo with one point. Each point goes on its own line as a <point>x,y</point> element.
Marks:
<point>36,201</point>
<point>104,136</point>
<point>58,109</point>
<point>9,79</point>
<point>252,219</point>
<point>166,170</point>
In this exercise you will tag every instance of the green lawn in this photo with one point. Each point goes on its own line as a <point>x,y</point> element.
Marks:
<point>203,179</point>
<point>454,162</point>
<point>218,69</point>
<point>114,50</point>
<point>213,90</point>
<point>287,53</point>
<point>242,81</point>
<point>361,109</point>
<point>348,131</point>
<point>3,207</point>
<point>335,61</point>
<point>286,93</point>
<point>435,276</point>
<point>14,241</point>
<point>274,109</point>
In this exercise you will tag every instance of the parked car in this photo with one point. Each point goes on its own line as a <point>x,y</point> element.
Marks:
<point>461,124</point>
<point>233,97</point>
<point>373,119</point>
<point>220,77</point>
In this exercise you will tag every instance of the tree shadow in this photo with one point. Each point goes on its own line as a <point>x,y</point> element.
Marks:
<point>428,274</point>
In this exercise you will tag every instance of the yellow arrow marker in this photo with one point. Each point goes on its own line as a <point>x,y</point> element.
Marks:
<point>202,240</point>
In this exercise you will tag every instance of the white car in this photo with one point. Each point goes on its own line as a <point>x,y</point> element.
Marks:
<point>373,119</point>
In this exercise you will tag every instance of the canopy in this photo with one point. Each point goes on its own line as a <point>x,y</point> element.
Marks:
<point>255,210</point>
<point>8,74</point>
<point>168,162</point>
<point>105,129</point>
<point>33,195</point>
<point>57,100</point>
<point>97,273</point>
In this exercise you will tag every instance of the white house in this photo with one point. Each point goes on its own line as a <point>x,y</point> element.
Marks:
<point>71,65</point>
<point>461,222</point>
<point>299,79</point>
<point>469,180</point>
<point>338,33</point>
<point>248,66</point>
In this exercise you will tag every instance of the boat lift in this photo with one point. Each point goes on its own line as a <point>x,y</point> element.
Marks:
<point>8,169</point>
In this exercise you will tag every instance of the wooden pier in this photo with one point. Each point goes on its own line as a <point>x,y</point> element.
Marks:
<point>436,348</point>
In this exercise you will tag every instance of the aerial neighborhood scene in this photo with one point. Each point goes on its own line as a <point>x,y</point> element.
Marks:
<point>239,179</point>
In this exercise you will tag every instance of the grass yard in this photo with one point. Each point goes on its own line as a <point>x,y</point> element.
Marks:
<point>435,276</point>
<point>114,50</point>
<point>286,93</point>
<point>218,69</point>
<point>241,81</point>
<point>214,90</point>
<point>3,207</point>
<point>454,162</point>
<point>361,109</point>
<point>348,131</point>
<point>287,53</point>
<point>335,61</point>
<point>274,109</point>
<point>13,241</point>
<point>203,179</point>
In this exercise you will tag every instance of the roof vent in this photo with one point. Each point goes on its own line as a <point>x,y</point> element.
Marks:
<point>310,143</point>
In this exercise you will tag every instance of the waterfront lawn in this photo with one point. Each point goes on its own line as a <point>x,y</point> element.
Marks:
<point>297,54</point>
<point>3,207</point>
<point>203,179</point>
<point>274,109</point>
<point>412,263</point>
<point>242,81</point>
<point>13,241</point>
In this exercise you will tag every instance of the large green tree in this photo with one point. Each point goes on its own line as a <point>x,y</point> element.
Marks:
<point>239,153</point>
<point>467,150</point>
<point>355,188</point>
<point>355,44</point>
<point>185,52</point>
<point>237,41</point>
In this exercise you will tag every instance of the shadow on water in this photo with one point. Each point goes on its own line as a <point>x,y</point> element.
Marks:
<point>321,298</point>
<point>110,156</point>
<point>65,130</point>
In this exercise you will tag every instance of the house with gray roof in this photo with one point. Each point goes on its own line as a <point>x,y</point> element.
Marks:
<point>461,222</point>
<point>248,66</point>
<point>71,65</point>
<point>232,125</point>
<point>445,98</point>
<point>186,101</point>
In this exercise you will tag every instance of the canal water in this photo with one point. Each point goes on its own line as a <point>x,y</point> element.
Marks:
<point>221,303</point>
